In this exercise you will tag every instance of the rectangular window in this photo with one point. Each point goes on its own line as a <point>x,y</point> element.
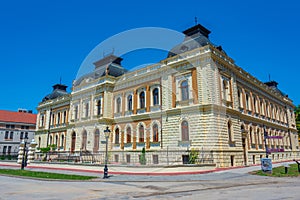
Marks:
<point>116,158</point>
<point>9,150</point>
<point>4,150</point>
<point>155,159</point>
<point>11,136</point>
<point>6,135</point>
<point>21,135</point>
<point>128,158</point>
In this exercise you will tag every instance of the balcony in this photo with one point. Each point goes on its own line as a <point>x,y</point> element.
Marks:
<point>186,144</point>
<point>128,113</point>
<point>141,110</point>
<point>116,115</point>
<point>127,146</point>
<point>155,108</point>
<point>140,145</point>
<point>154,144</point>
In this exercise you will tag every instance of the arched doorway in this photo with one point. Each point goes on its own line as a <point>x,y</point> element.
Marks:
<point>244,144</point>
<point>84,140</point>
<point>96,140</point>
<point>73,142</point>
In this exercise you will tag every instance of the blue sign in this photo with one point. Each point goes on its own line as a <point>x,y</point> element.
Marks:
<point>266,164</point>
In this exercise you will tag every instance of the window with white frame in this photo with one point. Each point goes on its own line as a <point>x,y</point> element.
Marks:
<point>98,107</point>
<point>128,135</point>
<point>155,133</point>
<point>240,99</point>
<point>184,90</point>
<point>184,131</point>
<point>155,96</point>
<point>141,133</point>
<point>118,105</point>
<point>117,136</point>
<point>129,102</point>
<point>142,100</point>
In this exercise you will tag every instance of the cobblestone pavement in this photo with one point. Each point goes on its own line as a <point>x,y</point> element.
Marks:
<point>225,184</point>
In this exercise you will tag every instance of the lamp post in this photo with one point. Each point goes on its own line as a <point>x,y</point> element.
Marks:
<point>106,133</point>
<point>265,140</point>
<point>24,158</point>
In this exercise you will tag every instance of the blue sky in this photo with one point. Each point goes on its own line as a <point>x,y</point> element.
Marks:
<point>41,41</point>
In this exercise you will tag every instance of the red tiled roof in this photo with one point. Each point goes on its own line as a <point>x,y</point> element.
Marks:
<point>18,117</point>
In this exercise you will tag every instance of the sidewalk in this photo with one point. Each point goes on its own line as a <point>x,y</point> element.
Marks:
<point>131,170</point>
<point>117,169</point>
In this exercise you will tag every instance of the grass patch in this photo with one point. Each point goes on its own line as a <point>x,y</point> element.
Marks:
<point>44,175</point>
<point>280,172</point>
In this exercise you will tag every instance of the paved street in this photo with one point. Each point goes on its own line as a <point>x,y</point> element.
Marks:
<point>225,184</point>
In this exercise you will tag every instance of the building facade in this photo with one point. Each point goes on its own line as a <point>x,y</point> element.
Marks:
<point>53,119</point>
<point>196,99</point>
<point>14,127</point>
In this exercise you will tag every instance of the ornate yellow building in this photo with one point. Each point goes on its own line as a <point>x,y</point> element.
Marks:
<point>197,98</point>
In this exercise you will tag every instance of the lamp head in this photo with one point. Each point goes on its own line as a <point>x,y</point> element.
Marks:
<point>106,132</point>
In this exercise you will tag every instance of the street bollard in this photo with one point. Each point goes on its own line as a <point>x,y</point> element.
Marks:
<point>286,168</point>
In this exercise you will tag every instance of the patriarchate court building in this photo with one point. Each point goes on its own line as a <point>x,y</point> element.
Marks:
<point>195,99</point>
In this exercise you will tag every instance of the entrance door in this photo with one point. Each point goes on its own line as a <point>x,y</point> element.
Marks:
<point>73,142</point>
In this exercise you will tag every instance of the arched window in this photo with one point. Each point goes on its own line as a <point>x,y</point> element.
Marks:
<point>76,112</point>
<point>58,118</point>
<point>262,108</point>
<point>247,102</point>
<point>117,136</point>
<point>155,96</point>
<point>118,105</point>
<point>84,138</point>
<point>62,144</point>
<point>40,142</point>
<point>258,137</point>
<point>73,142</point>
<point>65,117</point>
<point>50,140</point>
<point>42,120</point>
<point>129,102</point>
<point>155,132</point>
<point>255,104</point>
<point>225,90</point>
<point>184,87</point>
<point>184,131</point>
<point>98,105</point>
<point>229,131</point>
<point>86,109</point>
<point>141,133</point>
<point>240,99</point>
<point>250,135</point>
<point>96,140</point>
<point>142,99</point>
<point>56,140</point>
<point>128,135</point>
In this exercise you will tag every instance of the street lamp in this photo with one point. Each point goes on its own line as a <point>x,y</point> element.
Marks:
<point>265,140</point>
<point>24,158</point>
<point>106,133</point>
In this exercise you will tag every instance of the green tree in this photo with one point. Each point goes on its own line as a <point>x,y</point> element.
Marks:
<point>143,157</point>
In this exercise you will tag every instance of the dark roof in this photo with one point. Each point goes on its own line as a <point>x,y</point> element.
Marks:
<point>273,86</point>
<point>109,65</point>
<point>58,91</point>
<point>195,37</point>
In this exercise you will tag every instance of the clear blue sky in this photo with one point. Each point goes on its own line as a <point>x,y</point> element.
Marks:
<point>41,41</point>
